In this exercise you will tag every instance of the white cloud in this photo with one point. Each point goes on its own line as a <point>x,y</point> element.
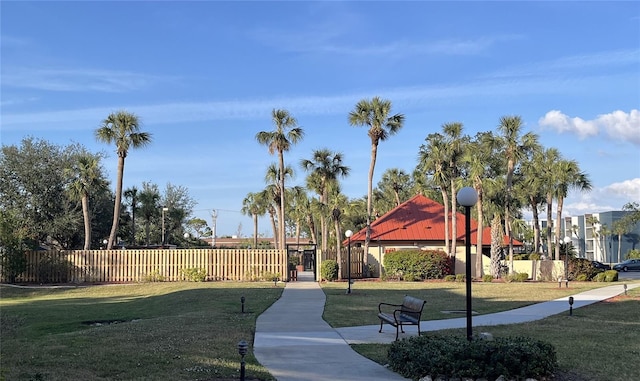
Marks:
<point>76,79</point>
<point>618,125</point>
<point>629,189</point>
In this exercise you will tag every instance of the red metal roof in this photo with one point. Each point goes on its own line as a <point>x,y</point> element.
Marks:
<point>421,219</point>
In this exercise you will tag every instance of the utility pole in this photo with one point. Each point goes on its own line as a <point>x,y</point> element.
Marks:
<point>214,215</point>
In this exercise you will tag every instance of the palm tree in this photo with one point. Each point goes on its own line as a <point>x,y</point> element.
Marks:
<point>87,177</point>
<point>432,159</point>
<point>272,179</point>
<point>514,149</point>
<point>131,193</point>
<point>280,140</point>
<point>568,176</point>
<point>478,157</point>
<point>398,181</point>
<point>149,203</point>
<point>546,173</point>
<point>325,166</point>
<point>454,149</point>
<point>534,185</point>
<point>121,128</point>
<point>253,205</point>
<point>375,114</point>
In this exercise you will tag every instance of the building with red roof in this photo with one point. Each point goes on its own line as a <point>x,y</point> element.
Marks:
<point>418,223</point>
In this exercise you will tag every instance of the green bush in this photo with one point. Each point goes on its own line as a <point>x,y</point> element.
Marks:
<point>487,278</point>
<point>516,277</point>
<point>581,278</point>
<point>195,274</point>
<point>154,276</point>
<point>417,264</point>
<point>329,270</point>
<point>607,276</point>
<point>51,269</point>
<point>450,356</point>
<point>460,278</point>
<point>450,278</point>
<point>582,266</point>
<point>635,253</point>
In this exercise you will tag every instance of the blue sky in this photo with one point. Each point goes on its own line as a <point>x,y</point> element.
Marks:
<point>204,76</point>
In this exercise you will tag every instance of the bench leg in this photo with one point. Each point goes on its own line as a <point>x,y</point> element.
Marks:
<point>380,331</point>
<point>398,327</point>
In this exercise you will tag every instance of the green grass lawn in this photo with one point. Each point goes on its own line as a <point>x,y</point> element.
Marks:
<point>165,331</point>
<point>600,342</point>
<point>190,331</point>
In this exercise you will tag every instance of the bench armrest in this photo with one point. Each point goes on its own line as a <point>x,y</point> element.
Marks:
<point>388,305</point>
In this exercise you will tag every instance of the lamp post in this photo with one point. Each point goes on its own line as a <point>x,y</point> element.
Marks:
<point>468,197</point>
<point>164,209</point>
<point>567,242</point>
<point>348,234</point>
<point>598,251</point>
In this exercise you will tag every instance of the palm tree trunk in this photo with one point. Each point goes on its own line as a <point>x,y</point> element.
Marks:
<point>336,226</point>
<point>367,239</point>
<point>558,219</point>
<point>255,231</point>
<point>87,222</point>
<point>536,225</point>
<point>549,219</point>
<point>445,202</point>
<point>479,234</point>
<point>116,206</point>
<point>454,224</point>
<point>275,229</point>
<point>281,219</point>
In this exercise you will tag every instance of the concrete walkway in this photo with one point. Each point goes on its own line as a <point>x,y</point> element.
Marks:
<point>295,344</point>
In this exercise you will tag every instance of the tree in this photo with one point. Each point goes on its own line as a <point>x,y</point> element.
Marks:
<point>130,194</point>
<point>87,177</point>
<point>394,188</point>
<point>432,159</point>
<point>197,228</point>
<point>514,149</point>
<point>253,205</point>
<point>176,198</point>
<point>272,178</point>
<point>35,180</point>
<point>375,114</point>
<point>325,167</point>
<point>535,187</point>
<point>280,140</point>
<point>480,165</point>
<point>568,176</point>
<point>149,206</point>
<point>454,144</point>
<point>122,129</point>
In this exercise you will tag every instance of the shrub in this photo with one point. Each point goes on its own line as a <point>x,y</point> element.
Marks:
<point>451,356</point>
<point>516,277</point>
<point>450,278</point>
<point>271,277</point>
<point>460,278</point>
<point>607,276</point>
<point>635,253</point>
<point>329,270</point>
<point>581,278</point>
<point>582,266</point>
<point>50,268</point>
<point>154,276</point>
<point>487,278</point>
<point>417,264</point>
<point>195,274</point>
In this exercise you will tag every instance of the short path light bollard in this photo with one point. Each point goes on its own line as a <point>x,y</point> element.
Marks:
<point>243,347</point>
<point>625,289</point>
<point>566,283</point>
<point>559,282</point>
<point>242,303</point>
<point>571,306</point>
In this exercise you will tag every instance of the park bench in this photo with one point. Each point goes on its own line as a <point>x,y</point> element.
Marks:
<point>407,313</point>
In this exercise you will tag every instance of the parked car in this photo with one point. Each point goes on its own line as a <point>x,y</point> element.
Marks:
<point>600,265</point>
<point>629,264</point>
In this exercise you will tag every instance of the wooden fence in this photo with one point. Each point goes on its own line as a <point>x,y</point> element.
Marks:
<point>357,254</point>
<point>79,266</point>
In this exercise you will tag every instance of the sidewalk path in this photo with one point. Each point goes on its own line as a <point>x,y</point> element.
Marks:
<point>295,344</point>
